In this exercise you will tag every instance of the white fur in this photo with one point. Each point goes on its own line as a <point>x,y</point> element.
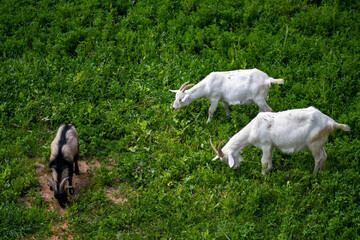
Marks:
<point>291,131</point>
<point>234,87</point>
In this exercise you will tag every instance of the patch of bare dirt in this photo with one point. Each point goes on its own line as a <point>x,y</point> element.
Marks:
<point>115,195</point>
<point>60,232</point>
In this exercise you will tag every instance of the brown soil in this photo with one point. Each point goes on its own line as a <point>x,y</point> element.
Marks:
<point>60,232</point>
<point>114,195</point>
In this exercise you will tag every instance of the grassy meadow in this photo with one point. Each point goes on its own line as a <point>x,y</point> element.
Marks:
<point>107,66</point>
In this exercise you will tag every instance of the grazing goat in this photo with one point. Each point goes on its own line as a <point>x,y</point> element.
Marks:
<point>64,152</point>
<point>290,131</point>
<point>233,87</point>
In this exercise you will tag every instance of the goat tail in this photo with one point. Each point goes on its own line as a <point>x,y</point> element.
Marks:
<point>342,126</point>
<point>276,81</point>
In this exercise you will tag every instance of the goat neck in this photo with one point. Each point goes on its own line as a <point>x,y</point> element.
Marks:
<point>197,91</point>
<point>241,139</point>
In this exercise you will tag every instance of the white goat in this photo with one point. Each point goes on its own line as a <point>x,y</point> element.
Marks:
<point>290,131</point>
<point>233,87</point>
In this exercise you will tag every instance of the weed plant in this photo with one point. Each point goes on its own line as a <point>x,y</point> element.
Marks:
<point>107,66</point>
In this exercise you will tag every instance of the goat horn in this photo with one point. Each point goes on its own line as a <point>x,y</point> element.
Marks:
<point>212,145</point>
<point>182,86</point>
<point>187,86</point>
<point>52,184</point>
<point>220,153</point>
<point>62,184</point>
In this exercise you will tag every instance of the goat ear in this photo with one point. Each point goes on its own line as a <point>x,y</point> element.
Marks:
<point>215,158</point>
<point>174,91</point>
<point>184,99</point>
<point>231,161</point>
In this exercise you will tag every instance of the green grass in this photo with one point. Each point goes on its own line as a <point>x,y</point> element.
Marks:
<point>107,67</point>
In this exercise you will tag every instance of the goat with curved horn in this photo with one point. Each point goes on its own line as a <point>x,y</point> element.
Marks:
<point>64,154</point>
<point>231,88</point>
<point>291,131</point>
